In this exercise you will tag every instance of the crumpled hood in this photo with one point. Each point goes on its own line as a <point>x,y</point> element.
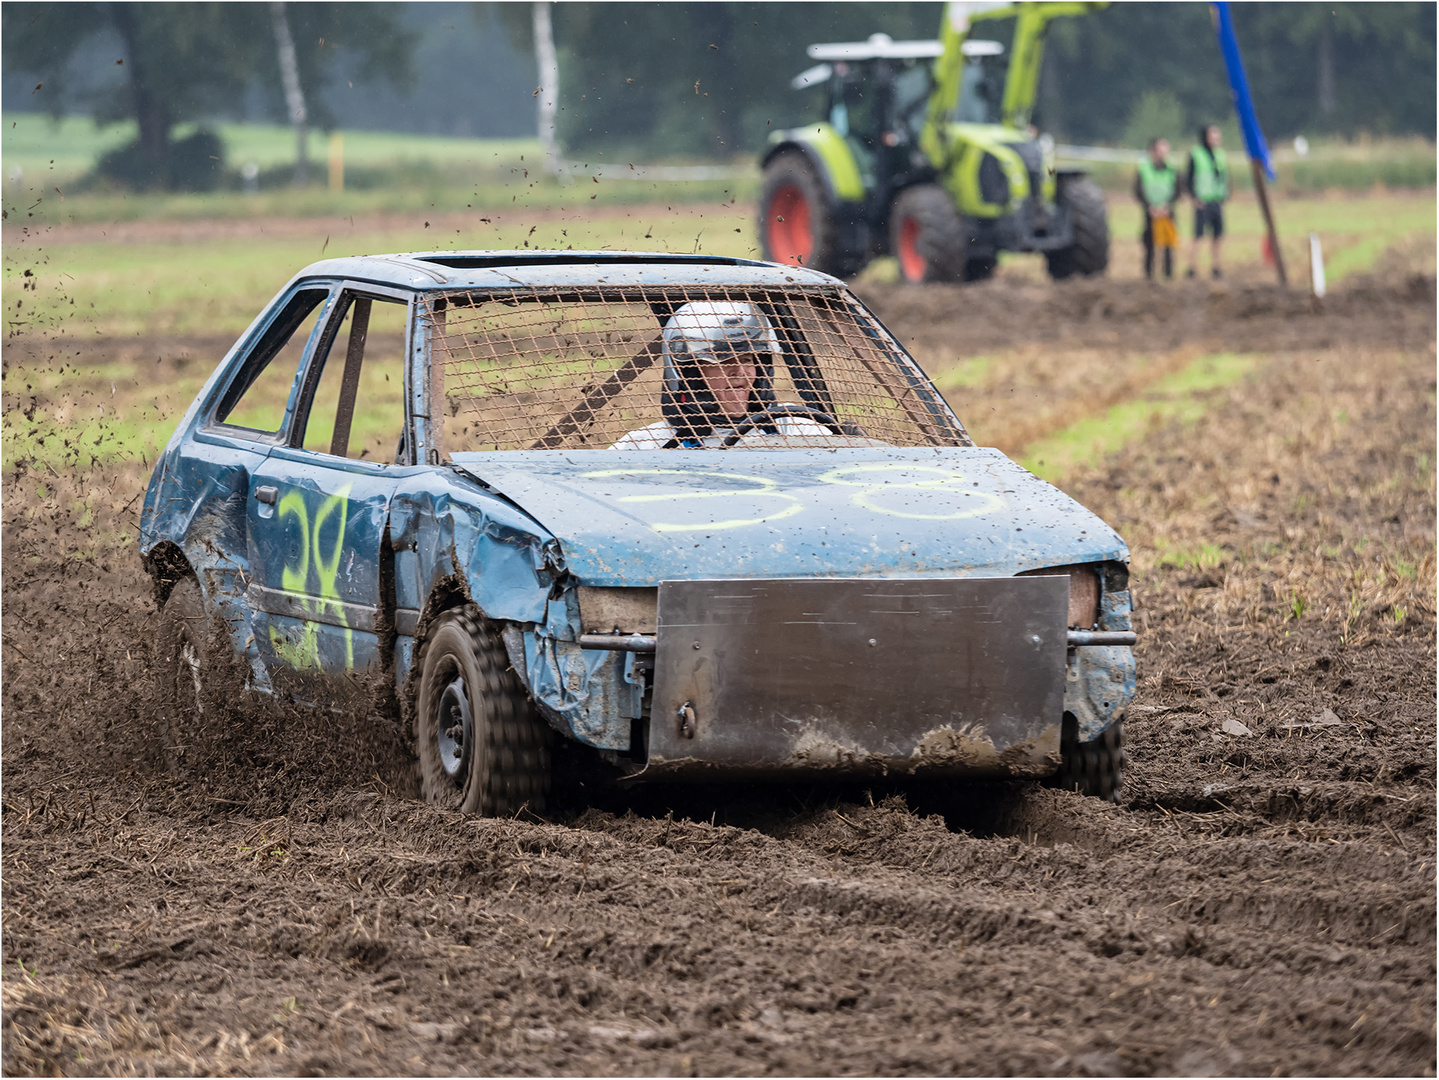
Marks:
<point>637,518</point>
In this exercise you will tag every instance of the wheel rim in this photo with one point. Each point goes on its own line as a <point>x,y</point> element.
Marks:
<point>454,730</point>
<point>788,224</point>
<point>911,262</point>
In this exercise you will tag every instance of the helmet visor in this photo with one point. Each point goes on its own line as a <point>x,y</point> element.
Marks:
<point>728,352</point>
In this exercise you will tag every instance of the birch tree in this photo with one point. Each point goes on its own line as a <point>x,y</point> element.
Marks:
<point>294,95</point>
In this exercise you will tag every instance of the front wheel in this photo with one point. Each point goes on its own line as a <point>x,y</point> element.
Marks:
<point>481,746</point>
<point>1089,253</point>
<point>1095,767</point>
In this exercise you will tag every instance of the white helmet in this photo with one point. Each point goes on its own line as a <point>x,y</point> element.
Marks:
<point>711,332</point>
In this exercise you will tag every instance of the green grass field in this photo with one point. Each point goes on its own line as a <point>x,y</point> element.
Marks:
<point>1183,396</point>
<point>181,281</point>
<point>122,279</point>
<point>46,163</point>
<point>1354,230</point>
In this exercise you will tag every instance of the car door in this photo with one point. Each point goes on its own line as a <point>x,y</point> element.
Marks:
<point>318,506</point>
<point>209,475</point>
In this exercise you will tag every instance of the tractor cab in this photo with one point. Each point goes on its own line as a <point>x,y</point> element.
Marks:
<point>879,90</point>
<point>876,93</point>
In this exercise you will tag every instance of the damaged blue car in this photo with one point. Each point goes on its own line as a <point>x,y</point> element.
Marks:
<point>703,516</point>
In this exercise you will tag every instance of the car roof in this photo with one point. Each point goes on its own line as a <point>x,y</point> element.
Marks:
<point>443,270</point>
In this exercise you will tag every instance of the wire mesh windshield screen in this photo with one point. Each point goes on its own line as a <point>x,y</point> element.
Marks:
<point>534,369</point>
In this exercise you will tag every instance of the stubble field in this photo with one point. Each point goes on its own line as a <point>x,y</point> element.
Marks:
<point>1262,902</point>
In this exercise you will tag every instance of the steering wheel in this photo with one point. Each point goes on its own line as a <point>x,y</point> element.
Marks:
<point>777,411</point>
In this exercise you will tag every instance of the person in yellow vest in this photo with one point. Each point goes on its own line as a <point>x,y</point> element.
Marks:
<point>1208,183</point>
<point>1156,186</point>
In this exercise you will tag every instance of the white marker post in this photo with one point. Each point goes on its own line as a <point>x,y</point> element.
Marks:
<point>1316,265</point>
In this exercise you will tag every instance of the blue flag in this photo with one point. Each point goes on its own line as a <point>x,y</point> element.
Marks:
<point>1254,142</point>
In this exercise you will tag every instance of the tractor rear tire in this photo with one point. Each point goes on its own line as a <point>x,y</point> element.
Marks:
<point>482,747</point>
<point>1089,254</point>
<point>797,224</point>
<point>1092,768</point>
<point>928,236</point>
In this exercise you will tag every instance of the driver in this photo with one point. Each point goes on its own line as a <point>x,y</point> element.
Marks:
<point>718,369</point>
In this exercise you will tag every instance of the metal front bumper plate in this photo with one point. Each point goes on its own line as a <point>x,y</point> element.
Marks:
<point>959,676</point>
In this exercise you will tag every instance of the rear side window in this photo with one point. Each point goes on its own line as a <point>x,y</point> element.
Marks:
<point>256,400</point>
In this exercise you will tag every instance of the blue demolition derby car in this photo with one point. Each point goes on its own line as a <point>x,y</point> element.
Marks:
<point>705,516</point>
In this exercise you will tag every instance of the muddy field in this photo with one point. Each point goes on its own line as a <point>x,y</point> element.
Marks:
<point>1262,903</point>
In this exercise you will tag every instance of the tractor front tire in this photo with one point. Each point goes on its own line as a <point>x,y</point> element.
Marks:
<point>980,268</point>
<point>928,236</point>
<point>1089,254</point>
<point>482,747</point>
<point>797,224</point>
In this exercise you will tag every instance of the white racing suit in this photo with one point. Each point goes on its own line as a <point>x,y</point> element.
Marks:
<point>657,435</point>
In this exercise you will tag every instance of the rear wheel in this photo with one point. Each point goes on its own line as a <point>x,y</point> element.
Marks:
<point>796,222</point>
<point>1095,767</point>
<point>185,701</point>
<point>481,746</point>
<point>928,236</point>
<point>1089,254</point>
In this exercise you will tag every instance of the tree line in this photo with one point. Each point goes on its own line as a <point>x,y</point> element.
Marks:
<point>712,79</point>
<point>194,61</point>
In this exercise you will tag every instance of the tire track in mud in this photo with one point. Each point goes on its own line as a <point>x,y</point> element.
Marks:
<point>727,924</point>
<point>1262,903</point>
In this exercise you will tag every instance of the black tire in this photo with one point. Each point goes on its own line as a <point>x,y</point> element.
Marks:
<point>981,269</point>
<point>185,700</point>
<point>797,223</point>
<point>928,235</point>
<point>1089,254</point>
<point>1092,768</point>
<point>493,756</point>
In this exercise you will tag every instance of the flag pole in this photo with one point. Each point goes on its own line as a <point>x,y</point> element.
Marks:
<point>1262,191</point>
<point>1259,163</point>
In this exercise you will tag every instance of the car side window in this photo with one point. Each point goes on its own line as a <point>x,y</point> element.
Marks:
<point>256,400</point>
<point>358,407</point>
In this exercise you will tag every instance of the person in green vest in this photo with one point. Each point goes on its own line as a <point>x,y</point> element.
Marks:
<point>1208,183</point>
<point>1156,186</point>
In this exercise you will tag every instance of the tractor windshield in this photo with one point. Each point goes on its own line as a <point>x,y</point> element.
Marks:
<point>855,100</point>
<point>912,88</point>
<point>980,91</point>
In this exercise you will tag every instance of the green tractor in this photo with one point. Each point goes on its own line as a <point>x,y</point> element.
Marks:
<point>926,152</point>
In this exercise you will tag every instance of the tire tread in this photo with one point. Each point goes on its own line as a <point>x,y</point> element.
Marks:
<point>1089,254</point>
<point>1095,767</point>
<point>517,740</point>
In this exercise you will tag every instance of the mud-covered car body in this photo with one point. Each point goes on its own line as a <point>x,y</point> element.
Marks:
<point>886,598</point>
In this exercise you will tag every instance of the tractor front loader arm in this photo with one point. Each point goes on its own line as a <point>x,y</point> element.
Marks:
<point>949,72</point>
<point>1032,19</point>
<point>1026,56</point>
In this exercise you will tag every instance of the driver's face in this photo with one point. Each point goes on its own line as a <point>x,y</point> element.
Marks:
<point>731,382</point>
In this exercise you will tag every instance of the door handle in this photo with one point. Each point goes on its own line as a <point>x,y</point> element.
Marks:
<point>267,494</point>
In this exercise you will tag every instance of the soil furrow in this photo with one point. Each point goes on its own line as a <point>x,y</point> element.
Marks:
<point>1263,901</point>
